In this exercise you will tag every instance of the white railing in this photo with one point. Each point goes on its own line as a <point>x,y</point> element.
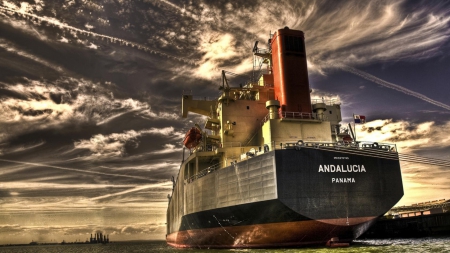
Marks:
<point>231,144</point>
<point>204,172</point>
<point>379,146</point>
<point>325,101</point>
<point>204,98</point>
<point>291,115</point>
<point>296,115</point>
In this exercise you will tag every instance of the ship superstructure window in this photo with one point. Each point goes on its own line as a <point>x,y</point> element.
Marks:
<point>294,44</point>
<point>248,107</point>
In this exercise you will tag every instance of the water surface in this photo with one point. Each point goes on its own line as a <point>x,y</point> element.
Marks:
<point>428,244</point>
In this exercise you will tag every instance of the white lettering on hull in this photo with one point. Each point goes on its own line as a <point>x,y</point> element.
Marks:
<point>341,168</point>
<point>342,180</point>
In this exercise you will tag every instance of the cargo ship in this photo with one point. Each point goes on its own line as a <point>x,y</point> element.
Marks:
<point>271,167</point>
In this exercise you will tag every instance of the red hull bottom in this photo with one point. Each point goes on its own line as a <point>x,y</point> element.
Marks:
<point>286,234</point>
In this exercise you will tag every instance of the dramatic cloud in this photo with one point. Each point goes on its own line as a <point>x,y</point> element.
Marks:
<point>114,144</point>
<point>10,8</point>
<point>415,139</point>
<point>42,105</point>
<point>381,31</point>
<point>407,136</point>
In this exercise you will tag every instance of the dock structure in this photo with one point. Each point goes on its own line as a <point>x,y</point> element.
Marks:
<point>417,220</point>
<point>423,208</point>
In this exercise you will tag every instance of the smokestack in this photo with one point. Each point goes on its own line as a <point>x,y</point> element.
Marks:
<point>273,106</point>
<point>290,71</point>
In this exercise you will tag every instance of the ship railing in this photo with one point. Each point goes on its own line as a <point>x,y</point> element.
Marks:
<point>360,145</point>
<point>204,172</point>
<point>259,81</point>
<point>262,51</point>
<point>231,144</point>
<point>378,145</point>
<point>291,115</point>
<point>265,119</point>
<point>189,93</point>
<point>325,101</point>
<point>296,115</point>
<point>264,84</point>
<point>204,98</point>
<point>201,148</point>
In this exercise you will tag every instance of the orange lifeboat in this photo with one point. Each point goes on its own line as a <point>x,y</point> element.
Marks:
<point>192,138</point>
<point>347,139</point>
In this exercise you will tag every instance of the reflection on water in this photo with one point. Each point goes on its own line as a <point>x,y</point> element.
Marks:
<point>428,244</point>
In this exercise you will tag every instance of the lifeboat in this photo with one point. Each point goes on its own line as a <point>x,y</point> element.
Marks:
<point>192,138</point>
<point>347,139</point>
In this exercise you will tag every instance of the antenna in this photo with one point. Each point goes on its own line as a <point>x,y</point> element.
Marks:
<point>224,80</point>
<point>255,47</point>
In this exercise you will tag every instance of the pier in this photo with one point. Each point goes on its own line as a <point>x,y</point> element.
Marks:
<point>417,220</point>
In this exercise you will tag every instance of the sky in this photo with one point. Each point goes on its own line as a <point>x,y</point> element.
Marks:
<point>90,116</point>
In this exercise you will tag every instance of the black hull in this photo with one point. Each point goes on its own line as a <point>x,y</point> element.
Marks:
<point>283,198</point>
<point>262,225</point>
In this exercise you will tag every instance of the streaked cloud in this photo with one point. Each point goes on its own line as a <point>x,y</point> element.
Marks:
<point>393,86</point>
<point>48,186</point>
<point>12,9</point>
<point>11,48</point>
<point>82,171</point>
<point>167,185</point>
<point>168,148</point>
<point>92,46</point>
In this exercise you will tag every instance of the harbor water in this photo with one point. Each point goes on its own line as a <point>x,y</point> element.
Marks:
<point>428,244</point>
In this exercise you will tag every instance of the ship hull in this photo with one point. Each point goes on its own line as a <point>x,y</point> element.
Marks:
<point>285,198</point>
<point>273,235</point>
<point>262,225</point>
